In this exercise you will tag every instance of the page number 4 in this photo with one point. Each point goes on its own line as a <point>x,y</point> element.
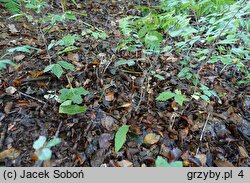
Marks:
<point>241,174</point>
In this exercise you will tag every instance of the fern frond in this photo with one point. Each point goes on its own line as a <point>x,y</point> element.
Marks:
<point>126,25</point>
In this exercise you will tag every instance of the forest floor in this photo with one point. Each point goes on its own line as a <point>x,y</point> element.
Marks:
<point>125,97</point>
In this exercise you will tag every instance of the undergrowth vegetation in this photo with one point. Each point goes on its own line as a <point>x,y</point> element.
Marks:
<point>200,34</point>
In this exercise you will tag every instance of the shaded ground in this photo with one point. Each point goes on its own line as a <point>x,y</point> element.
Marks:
<point>124,97</point>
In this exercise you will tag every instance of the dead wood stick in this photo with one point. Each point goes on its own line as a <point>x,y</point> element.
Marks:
<point>2,136</point>
<point>26,95</point>
<point>202,133</point>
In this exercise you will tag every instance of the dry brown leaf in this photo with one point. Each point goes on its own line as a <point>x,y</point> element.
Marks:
<point>151,138</point>
<point>11,153</point>
<point>54,29</point>
<point>73,57</point>
<point>125,163</point>
<point>202,158</point>
<point>26,26</point>
<point>10,90</point>
<point>109,96</point>
<point>19,58</point>
<point>108,122</point>
<point>8,107</point>
<point>243,152</point>
<point>236,118</point>
<point>12,29</point>
<point>220,163</point>
<point>126,105</point>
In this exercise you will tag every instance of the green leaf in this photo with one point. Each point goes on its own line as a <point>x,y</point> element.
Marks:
<point>67,102</point>
<point>120,137</point>
<point>166,49</point>
<point>153,40</point>
<point>80,91</point>
<point>68,49</point>
<point>53,142</point>
<point>44,154</point>
<point>39,143</point>
<point>160,77</point>
<point>183,72</point>
<point>68,40</point>
<point>4,62</point>
<point>161,162</point>
<point>48,68</point>
<point>66,65</point>
<point>164,96</point>
<point>25,49</point>
<point>179,98</point>
<point>13,6</point>
<point>72,109</point>
<point>124,62</point>
<point>69,15</point>
<point>206,98</point>
<point>52,43</point>
<point>57,70</point>
<point>73,94</point>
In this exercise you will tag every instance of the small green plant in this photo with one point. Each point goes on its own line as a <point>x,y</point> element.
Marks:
<point>57,68</point>
<point>23,49</point>
<point>161,162</point>
<point>120,137</point>
<point>12,6</point>
<point>42,147</point>
<point>158,76</point>
<point>4,62</point>
<point>94,32</point>
<point>207,94</point>
<point>97,34</point>
<point>70,98</point>
<point>68,40</point>
<point>35,5</point>
<point>177,95</point>
<point>201,32</point>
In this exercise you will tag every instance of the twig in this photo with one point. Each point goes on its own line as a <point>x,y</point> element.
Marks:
<point>2,136</point>
<point>202,133</point>
<point>35,79</point>
<point>45,43</point>
<point>70,85</point>
<point>26,95</point>
<point>58,129</point>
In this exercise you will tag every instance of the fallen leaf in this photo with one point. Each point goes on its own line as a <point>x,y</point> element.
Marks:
<point>108,122</point>
<point>98,158</point>
<point>243,152</point>
<point>125,163</point>
<point>174,154</point>
<point>12,29</point>
<point>86,82</point>
<point>10,90</point>
<point>126,105</point>
<point>202,158</point>
<point>19,58</point>
<point>151,138</point>
<point>8,107</point>
<point>109,96</point>
<point>236,118</point>
<point>11,153</point>
<point>220,163</point>
<point>104,140</point>
<point>73,57</point>
<point>81,157</point>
